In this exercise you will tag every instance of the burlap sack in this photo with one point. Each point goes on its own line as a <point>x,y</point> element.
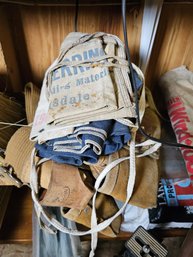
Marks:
<point>177,86</point>
<point>32,95</point>
<point>89,81</point>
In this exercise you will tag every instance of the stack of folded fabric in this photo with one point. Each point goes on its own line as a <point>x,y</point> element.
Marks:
<point>85,107</point>
<point>83,127</point>
<point>85,118</point>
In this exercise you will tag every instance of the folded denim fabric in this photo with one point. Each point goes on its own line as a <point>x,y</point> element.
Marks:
<point>46,151</point>
<point>89,81</point>
<point>87,143</point>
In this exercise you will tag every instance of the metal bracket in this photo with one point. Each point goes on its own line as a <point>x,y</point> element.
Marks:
<point>7,174</point>
<point>142,244</point>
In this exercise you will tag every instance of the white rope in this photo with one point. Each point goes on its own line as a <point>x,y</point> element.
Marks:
<point>13,124</point>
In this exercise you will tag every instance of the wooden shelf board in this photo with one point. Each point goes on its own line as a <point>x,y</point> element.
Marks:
<point>17,225</point>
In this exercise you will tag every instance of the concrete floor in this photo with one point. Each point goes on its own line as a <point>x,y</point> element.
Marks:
<point>104,249</point>
<point>15,250</point>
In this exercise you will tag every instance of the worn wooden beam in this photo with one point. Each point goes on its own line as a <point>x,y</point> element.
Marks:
<point>65,2</point>
<point>186,249</point>
<point>17,224</point>
<point>8,47</point>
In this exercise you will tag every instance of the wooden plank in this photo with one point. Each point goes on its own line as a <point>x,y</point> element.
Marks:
<point>66,2</point>
<point>3,68</point>
<point>158,233</point>
<point>3,71</point>
<point>43,29</point>
<point>187,247</point>
<point>8,46</point>
<point>17,225</point>
<point>82,2</point>
<point>5,193</point>
<point>173,43</point>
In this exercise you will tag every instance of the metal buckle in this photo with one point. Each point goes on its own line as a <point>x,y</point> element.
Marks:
<point>7,172</point>
<point>142,244</point>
